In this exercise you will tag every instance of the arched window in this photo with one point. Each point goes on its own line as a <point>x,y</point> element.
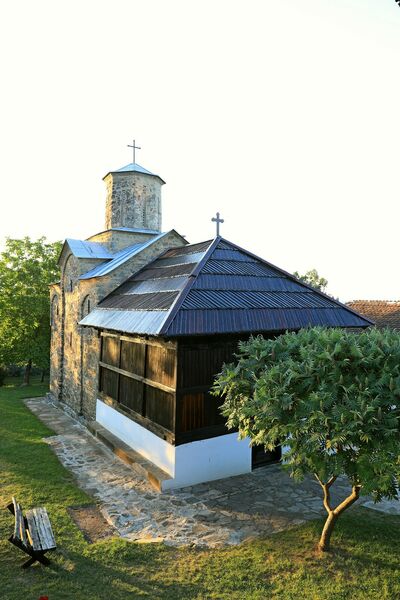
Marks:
<point>85,306</point>
<point>54,310</point>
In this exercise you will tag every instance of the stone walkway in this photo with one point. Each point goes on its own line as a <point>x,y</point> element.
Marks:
<point>218,513</point>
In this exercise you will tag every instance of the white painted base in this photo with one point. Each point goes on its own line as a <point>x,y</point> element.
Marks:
<point>188,464</point>
<point>207,460</point>
<point>150,446</point>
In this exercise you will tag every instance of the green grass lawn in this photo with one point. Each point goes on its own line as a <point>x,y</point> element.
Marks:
<point>364,565</point>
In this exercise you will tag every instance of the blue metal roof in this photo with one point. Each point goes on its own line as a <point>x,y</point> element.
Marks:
<point>135,168</point>
<point>216,287</point>
<point>119,258</point>
<point>84,249</point>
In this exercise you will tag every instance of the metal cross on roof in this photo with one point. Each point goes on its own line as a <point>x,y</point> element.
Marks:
<point>134,148</point>
<point>217,220</point>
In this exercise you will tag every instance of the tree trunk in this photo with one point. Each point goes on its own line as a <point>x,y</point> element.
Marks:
<point>325,540</point>
<point>42,377</point>
<point>334,513</point>
<point>27,373</point>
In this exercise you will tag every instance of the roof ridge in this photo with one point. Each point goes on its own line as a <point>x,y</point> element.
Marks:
<point>179,300</point>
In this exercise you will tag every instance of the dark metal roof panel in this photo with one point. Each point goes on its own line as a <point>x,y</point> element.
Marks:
<point>246,283</point>
<point>181,259</point>
<point>231,267</point>
<point>157,301</point>
<point>189,249</point>
<point>152,285</point>
<point>208,322</point>
<point>228,299</point>
<point>222,254</point>
<point>162,272</point>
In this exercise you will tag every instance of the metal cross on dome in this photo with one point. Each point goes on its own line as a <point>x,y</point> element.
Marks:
<point>134,148</point>
<point>217,220</point>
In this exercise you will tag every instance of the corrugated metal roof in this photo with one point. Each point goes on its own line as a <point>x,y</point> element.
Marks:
<point>127,321</point>
<point>157,301</point>
<point>231,267</point>
<point>155,272</point>
<point>181,259</point>
<point>119,258</point>
<point>153,285</point>
<point>225,299</point>
<point>224,290</point>
<point>84,249</point>
<point>189,249</point>
<point>225,254</point>
<point>245,283</point>
<point>209,322</point>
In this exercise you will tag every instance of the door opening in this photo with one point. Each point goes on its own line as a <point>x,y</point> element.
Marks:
<point>261,457</point>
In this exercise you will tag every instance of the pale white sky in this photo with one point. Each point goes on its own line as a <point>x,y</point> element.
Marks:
<point>284,115</point>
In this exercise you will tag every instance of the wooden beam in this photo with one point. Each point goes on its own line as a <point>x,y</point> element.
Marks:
<point>155,384</point>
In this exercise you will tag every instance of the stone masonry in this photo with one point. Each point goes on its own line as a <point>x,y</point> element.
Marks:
<point>133,198</point>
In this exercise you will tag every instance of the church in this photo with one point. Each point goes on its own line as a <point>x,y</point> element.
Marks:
<point>142,321</point>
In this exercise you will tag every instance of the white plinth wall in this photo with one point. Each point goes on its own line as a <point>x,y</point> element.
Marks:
<point>187,464</point>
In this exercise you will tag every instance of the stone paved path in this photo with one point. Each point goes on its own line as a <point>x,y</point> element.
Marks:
<point>223,512</point>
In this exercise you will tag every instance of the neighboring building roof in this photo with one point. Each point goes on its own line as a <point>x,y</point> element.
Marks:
<point>385,313</point>
<point>135,168</point>
<point>216,287</point>
<point>84,249</point>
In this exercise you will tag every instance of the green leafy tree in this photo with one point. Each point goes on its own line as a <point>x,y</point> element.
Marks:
<point>312,278</point>
<point>330,396</point>
<point>27,267</point>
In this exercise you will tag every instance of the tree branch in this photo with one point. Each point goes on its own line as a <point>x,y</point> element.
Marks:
<point>331,481</point>
<point>327,496</point>
<point>347,502</point>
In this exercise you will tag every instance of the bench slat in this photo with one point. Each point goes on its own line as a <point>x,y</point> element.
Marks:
<point>19,528</point>
<point>44,529</point>
<point>30,517</point>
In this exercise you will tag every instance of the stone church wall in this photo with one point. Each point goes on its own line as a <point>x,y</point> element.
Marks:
<point>75,350</point>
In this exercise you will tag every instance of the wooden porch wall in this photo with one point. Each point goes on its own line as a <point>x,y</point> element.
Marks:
<point>197,411</point>
<point>138,377</point>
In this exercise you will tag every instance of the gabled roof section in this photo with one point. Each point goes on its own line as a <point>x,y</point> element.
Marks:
<point>215,287</point>
<point>84,249</point>
<point>120,258</point>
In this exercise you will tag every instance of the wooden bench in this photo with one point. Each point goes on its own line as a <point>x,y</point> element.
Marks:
<point>32,533</point>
